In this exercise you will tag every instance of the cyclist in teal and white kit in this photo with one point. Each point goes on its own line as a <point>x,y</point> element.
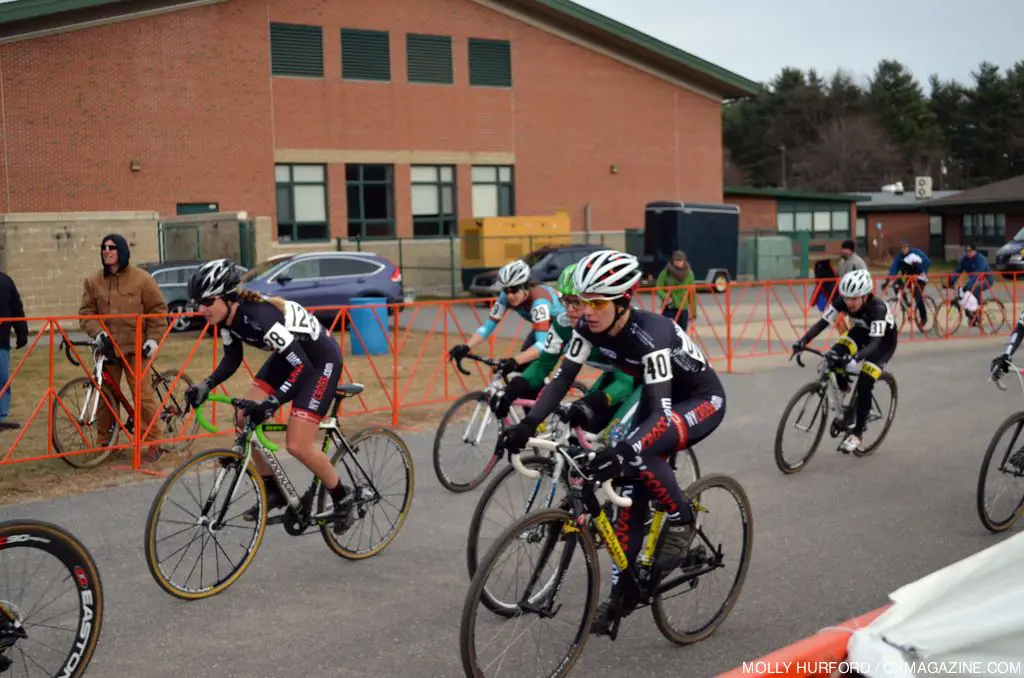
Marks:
<point>539,304</point>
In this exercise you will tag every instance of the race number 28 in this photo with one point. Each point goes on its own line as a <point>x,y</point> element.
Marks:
<point>278,337</point>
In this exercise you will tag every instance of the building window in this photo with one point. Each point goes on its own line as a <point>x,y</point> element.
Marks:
<point>371,204</point>
<point>301,203</point>
<point>365,55</point>
<point>429,59</point>
<point>296,50</point>
<point>433,200</point>
<point>493,192</point>
<point>490,63</point>
<point>989,229</point>
<point>821,219</point>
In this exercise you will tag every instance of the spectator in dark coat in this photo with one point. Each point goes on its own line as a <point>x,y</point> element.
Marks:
<point>10,309</point>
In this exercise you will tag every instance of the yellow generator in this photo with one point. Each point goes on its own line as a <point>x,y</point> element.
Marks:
<point>491,242</point>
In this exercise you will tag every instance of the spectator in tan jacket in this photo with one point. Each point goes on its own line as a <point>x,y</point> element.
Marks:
<point>120,288</point>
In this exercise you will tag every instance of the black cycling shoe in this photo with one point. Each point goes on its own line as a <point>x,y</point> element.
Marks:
<point>275,500</point>
<point>602,620</point>
<point>344,514</point>
<point>675,546</point>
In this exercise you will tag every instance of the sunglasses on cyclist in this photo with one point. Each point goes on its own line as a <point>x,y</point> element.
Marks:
<point>596,304</point>
<point>207,302</point>
<point>513,290</point>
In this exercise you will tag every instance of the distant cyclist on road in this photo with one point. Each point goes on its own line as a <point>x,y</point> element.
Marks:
<point>979,279</point>
<point>534,302</point>
<point>870,343</point>
<point>683,402</point>
<point>303,368</point>
<point>596,408</point>
<point>913,264</point>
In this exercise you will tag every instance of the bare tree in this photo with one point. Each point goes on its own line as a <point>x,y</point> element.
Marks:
<point>733,175</point>
<point>852,152</point>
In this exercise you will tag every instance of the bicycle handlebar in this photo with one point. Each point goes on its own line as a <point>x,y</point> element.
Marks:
<point>234,402</point>
<point>480,359</point>
<point>796,354</point>
<point>613,496</point>
<point>66,345</point>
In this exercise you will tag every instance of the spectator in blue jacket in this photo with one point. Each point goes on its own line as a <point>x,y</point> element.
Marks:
<point>914,264</point>
<point>979,273</point>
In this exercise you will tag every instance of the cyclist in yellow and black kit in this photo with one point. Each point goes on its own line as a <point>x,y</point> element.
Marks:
<point>870,343</point>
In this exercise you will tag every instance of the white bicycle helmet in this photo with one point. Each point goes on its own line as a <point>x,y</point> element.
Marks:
<point>514,274</point>
<point>608,273</point>
<point>856,284</point>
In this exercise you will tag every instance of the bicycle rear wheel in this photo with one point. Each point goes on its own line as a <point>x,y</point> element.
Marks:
<point>708,551</point>
<point>213,544</point>
<point>386,500</point>
<point>550,529</point>
<point>56,635</point>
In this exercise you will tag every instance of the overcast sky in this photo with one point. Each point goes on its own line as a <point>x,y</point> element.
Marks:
<point>757,38</point>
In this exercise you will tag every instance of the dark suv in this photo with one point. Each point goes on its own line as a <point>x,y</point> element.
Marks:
<point>546,264</point>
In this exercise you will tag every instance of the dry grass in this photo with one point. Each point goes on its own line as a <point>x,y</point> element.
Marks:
<point>426,384</point>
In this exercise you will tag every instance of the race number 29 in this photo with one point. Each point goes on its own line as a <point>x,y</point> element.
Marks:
<point>658,366</point>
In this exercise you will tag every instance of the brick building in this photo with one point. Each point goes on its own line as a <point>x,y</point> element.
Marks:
<point>828,216</point>
<point>900,217</point>
<point>346,118</point>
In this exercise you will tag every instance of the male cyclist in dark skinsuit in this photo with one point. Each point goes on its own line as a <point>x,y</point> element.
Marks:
<point>683,401</point>
<point>303,369</point>
<point>871,341</point>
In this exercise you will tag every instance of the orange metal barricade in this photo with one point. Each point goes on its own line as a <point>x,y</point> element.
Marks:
<point>746,320</point>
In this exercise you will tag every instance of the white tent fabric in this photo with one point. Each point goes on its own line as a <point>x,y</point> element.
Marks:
<point>966,619</point>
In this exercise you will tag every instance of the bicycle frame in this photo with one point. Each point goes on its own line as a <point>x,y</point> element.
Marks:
<point>583,501</point>
<point>827,377</point>
<point>255,436</point>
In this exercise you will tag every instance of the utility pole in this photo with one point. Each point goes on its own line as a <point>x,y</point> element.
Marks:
<point>782,150</point>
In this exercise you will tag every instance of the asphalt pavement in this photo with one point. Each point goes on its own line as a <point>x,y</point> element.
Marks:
<point>829,543</point>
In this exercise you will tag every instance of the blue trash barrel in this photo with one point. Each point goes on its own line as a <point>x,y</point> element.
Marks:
<point>372,324</point>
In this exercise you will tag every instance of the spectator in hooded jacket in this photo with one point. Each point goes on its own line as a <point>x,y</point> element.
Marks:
<point>849,260</point>
<point>10,307</point>
<point>677,273</point>
<point>120,288</point>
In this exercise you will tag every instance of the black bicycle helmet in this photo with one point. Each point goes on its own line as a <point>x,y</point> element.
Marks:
<point>217,278</point>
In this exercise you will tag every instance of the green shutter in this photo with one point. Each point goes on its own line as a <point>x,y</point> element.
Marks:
<point>490,63</point>
<point>296,50</point>
<point>365,55</point>
<point>429,58</point>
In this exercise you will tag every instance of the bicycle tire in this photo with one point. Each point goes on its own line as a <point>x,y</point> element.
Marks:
<point>1001,316</point>
<point>79,562</point>
<point>734,488</point>
<point>473,600</point>
<point>326,530</point>
<point>808,388</point>
<point>442,477</point>
<point>889,380</point>
<point>153,518</point>
<point>996,526</point>
<point>89,459</point>
<point>543,464</point>
<point>178,444</point>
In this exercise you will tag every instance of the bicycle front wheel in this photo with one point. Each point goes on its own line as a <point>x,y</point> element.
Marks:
<point>185,536</point>
<point>811,409</point>
<point>71,432</point>
<point>507,498</point>
<point>1006,460</point>
<point>558,644</point>
<point>472,424</point>
<point>43,631</point>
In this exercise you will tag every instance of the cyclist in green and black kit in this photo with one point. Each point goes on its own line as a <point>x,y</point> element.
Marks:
<point>604,400</point>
